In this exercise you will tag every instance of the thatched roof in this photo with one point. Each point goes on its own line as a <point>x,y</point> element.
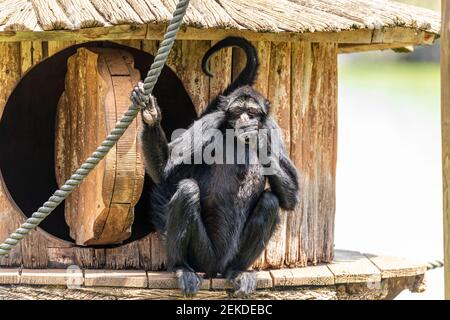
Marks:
<point>293,16</point>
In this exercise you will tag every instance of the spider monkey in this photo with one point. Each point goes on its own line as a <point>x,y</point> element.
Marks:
<point>217,217</point>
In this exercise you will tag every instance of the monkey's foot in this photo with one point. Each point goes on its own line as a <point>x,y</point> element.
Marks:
<point>188,282</point>
<point>150,110</point>
<point>244,284</point>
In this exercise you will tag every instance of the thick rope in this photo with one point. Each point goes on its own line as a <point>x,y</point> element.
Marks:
<point>122,125</point>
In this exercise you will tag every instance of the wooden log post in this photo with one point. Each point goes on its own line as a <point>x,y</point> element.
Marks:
<point>98,85</point>
<point>445,118</point>
<point>314,149</point>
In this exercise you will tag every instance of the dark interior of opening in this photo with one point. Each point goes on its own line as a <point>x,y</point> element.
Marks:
<point>27,132</point>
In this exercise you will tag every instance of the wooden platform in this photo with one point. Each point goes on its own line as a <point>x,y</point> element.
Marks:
<point>352,275</point>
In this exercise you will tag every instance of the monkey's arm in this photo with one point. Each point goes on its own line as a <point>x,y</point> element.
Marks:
<point>283,182</point>
<point>280,171</point>
<point>154,142</point>
<point>155,150</point>
<point>190,144</point>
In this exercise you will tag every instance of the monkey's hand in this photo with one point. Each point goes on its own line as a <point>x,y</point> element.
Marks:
<point>151,114</point>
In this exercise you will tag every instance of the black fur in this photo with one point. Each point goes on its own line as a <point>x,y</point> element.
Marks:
<point>217,218</point>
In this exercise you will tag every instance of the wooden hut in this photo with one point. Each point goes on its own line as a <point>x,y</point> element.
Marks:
<point>59,53</point>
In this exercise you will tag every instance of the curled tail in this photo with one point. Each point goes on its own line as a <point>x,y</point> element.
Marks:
<point>248,75</point>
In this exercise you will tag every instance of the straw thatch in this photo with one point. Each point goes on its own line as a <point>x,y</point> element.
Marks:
<point>293,16</point>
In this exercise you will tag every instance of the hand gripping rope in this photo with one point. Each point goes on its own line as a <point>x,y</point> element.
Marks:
<point>122,125</point>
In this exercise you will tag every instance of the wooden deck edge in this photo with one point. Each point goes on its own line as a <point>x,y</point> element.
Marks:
<point>349,268</point>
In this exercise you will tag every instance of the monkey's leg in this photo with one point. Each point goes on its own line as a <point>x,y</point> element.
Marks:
<point>257,232</point>
<point>186,234</point>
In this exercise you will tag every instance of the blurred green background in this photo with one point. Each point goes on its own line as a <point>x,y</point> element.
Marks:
<point>389,198</point>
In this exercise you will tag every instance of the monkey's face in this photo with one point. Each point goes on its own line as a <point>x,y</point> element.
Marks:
<point>245,115</point>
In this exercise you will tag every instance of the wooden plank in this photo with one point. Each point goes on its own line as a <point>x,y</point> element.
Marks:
<point>262,85</point>
<point>90,257</point>
<point>9,276</point>
<point>162,280</point>
<point>34,250</point>
<point>395,267</point>
<point>137,44</point>
<point>189,71</point>
<point>307,276</point>
<point>60,257</point>
<point>279,94</point>
<point>314,152</point>
<point>10,216</point>
<point>263,281</point>
<point>221,68</point>
<point>300,88</point>
<point>56,46</point>
<point>152,254</point>
<point>445,127</point>
<point>156,32</point>
<point>123,257</point>
<point>51,277</point>
<point>353,267</point>
<point>351,48</point>
<point>111,278</point>
<point>30,54</point>
<point>168,280</point>
<point>239,62</point>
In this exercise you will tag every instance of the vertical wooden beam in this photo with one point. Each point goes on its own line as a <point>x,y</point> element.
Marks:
<point>262,85</point>
<point>137,44</point>
<point>445,119</point>
<point>221,68</point>
<point>309,229</point>
<point>56,46</point>
<point>10,218</point>
<point>239,60</point>
<point>151,248</point>
<point>280,96</point>
<point>302,63</point>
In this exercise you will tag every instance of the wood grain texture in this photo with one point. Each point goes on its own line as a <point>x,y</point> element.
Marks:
<point>309,276</point>
<point>48,277</point>
<point>9,276</point>
<point>353,267</point>
<point>445,123</point>
<point>56,46</point>
<point>302,78</point>
<point>110,278</point>
<point>30,54</point>
<point>262,85</point>
<point>279,94</point>
<point>10,216</point>
<point>395,267</point>
<point>221,68</point>
<point>98,84</point>
<point>314,152</point>
<point>152,249</point>
<point>185,60</point>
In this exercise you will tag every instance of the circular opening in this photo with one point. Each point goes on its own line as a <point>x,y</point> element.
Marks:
<point>27,133</point>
